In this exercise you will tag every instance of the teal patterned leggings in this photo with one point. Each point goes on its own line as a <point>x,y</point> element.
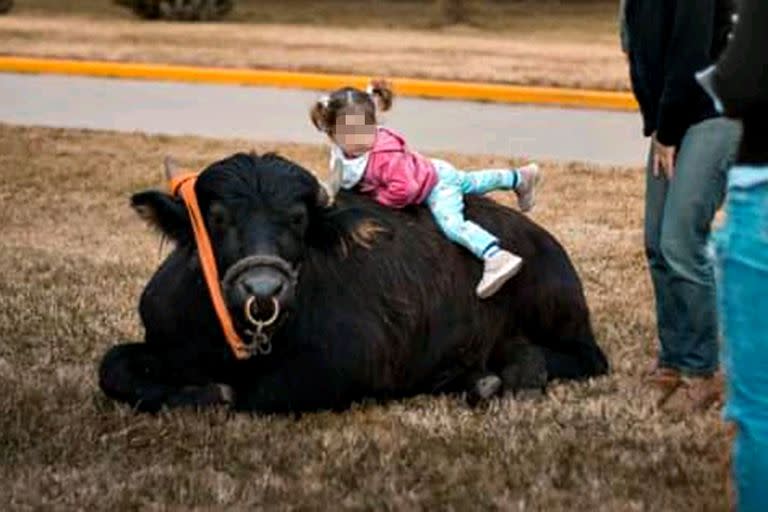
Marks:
<point>446,201</point>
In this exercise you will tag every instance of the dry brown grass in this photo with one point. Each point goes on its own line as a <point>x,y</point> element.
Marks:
<point>529,43</point>
<point>73,259</point>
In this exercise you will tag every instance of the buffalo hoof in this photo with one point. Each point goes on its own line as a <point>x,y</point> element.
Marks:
<point>484,389</point>
<point>226,394</point>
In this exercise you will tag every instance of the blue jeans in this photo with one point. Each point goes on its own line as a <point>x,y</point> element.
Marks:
<point>446,201</point>
<point>678,216</point>
<point>742,253</point>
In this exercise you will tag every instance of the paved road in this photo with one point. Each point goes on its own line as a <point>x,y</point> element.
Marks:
<point>269,114</point>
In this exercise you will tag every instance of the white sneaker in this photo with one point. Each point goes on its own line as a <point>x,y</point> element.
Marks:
<point>526,189</point>
<point>499,268</point>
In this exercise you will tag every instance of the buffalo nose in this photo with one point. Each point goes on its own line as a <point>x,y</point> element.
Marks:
<point>266,286</point>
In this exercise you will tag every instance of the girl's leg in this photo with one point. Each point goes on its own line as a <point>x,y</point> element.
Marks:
<point>523,181</point>
<point>481,181</point>
<point>447,205</point>
<point>446,202</point>
<point>487,180</point>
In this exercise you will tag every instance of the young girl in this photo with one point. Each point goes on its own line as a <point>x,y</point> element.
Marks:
<point>377,161</point>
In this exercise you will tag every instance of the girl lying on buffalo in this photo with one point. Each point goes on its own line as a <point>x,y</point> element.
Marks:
<point>377,161</point>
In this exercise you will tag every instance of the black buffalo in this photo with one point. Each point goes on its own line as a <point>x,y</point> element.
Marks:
<point>372,302</point>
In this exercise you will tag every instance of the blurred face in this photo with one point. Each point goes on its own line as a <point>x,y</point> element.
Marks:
<point>352,134</point>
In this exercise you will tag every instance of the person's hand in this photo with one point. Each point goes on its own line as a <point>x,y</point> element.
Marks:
<point>663,159</point>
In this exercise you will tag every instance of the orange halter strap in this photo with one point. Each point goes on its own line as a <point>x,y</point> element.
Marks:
<point>183,185</point>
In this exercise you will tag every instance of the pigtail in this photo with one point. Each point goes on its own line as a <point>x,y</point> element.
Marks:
<point>381,93</point>
<point>319,114</point>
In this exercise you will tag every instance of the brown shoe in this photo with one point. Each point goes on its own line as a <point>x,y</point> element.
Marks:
<point>663,382</point>
<point>662,377</point>
<point>695,394</point>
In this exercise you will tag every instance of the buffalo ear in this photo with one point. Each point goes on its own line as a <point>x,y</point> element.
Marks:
<point>163,212</point>
<point>344,227</point>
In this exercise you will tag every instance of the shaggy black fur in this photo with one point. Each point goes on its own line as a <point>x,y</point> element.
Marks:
<point>384,306</point>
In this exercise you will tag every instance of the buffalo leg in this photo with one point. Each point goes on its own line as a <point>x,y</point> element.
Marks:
<point>133,374</point>
<point>522,367</point>
<point>568,341</point>
<point>574,357</point>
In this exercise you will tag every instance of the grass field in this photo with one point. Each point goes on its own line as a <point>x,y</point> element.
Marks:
<point>73,259</point>
<point>526,42</point>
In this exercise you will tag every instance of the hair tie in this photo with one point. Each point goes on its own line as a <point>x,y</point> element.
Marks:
<point>325,101</point>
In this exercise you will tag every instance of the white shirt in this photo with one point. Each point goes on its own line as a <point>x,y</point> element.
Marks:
<point>345,172</point>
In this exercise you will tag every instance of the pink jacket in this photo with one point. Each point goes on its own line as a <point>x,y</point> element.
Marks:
<point>396,176</point>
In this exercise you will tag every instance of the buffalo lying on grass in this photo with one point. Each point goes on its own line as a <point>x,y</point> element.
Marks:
<point>369,302</point>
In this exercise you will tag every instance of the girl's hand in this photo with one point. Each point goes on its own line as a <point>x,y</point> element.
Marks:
<point>326,196</point>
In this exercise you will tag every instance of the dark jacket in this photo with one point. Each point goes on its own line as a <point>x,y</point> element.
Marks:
<point>668,42</point>
<point>741,79</point>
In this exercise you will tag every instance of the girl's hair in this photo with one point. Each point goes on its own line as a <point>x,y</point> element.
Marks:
<point>377,97</point>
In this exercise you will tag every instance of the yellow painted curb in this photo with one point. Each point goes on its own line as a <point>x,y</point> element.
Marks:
<point>299,80</point>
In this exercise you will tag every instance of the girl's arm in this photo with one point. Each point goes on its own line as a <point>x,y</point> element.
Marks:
<point>333,183</point>
<point>401,188</point>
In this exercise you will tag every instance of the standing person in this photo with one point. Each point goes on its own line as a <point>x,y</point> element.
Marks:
<point>377,161</point>
<point>623,35</point>
<point>740,81</point>
<point>691,148</point>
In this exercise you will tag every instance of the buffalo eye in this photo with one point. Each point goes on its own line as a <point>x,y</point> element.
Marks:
<point>219,217</point>
<point>297,218</point>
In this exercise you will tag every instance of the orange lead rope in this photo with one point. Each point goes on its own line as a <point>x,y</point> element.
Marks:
<point>183,185</point>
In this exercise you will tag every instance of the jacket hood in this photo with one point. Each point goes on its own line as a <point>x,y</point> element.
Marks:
<point>388,140</point>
